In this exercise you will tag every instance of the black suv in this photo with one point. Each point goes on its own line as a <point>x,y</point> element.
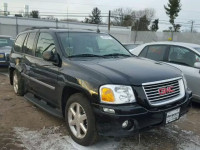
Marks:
<point>93,82</point>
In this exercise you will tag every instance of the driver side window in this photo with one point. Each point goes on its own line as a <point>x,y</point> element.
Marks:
<point>45,43</point>
<point>182,56</point>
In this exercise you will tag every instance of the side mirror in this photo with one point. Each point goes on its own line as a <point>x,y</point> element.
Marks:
<point>50,56</point>
<point>197,65</point>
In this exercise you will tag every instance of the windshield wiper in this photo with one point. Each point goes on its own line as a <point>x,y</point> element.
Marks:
<point>85,55</point>
<point>117,54</point>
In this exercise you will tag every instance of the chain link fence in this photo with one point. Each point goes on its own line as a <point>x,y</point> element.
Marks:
<point>14,25</point>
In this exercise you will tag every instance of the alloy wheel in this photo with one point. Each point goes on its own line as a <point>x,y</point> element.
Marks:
<point>77,120</point>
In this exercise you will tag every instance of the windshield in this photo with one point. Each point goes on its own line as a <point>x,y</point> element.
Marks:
<point>197,48</point>
<point>5,42</point>
<point>91,45</point>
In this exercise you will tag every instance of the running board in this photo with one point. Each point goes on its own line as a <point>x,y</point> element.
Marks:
<point>40,103</point>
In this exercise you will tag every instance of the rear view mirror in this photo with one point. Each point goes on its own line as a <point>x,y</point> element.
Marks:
<point>197,65</point>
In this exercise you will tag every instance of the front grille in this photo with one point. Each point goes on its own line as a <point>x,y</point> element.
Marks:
<point>164,92</point>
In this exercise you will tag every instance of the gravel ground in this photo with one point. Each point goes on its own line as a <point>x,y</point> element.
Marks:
<point>24,126</point>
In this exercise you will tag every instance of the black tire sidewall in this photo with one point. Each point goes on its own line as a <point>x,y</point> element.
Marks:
<point>91,135</point>
<point>20,91</point>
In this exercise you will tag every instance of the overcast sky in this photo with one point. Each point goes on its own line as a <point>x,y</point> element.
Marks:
<point>190,8</point>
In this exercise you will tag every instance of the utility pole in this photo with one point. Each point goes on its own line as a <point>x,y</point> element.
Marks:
<point>109,15</point>
<point>136,33</point>
<point>192,26</point>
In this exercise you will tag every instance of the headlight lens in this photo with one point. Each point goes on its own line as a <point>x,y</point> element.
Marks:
<point>185,81</point>
<point>116,94</point>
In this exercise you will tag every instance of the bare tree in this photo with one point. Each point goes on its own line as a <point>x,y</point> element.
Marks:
<point>122,17</point>
<point>138,20</point>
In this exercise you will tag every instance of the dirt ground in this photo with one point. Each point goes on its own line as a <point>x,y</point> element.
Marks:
<point>25,126</point>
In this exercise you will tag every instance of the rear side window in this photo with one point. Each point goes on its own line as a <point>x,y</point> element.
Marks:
<point>30,43</point>
<point>19,43</point>
<point>45,43</point>
<point>156,52</point>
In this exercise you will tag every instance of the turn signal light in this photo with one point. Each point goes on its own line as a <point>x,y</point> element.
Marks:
<point>107,95</point>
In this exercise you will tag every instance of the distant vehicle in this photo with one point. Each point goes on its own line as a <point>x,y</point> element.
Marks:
<point>184,56</point>
<point>6,43</point>
<point>96,84</point>
<point>130,46</point>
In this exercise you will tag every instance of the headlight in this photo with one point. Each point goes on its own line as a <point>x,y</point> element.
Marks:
<point>185,81</point>
<point>116,94</point>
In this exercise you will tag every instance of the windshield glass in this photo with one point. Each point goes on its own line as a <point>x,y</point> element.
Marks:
<point>5,42</point>
<point>91,44</point>
<point>197,48</point>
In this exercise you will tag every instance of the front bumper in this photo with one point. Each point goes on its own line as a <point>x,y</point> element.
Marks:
<point>4,63</point>
<point>139,118</point>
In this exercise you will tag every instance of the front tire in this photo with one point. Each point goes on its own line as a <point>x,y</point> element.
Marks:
<point>80,120</point>
<point>18,83</point>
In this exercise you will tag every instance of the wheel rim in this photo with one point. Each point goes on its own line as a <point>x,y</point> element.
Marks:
<point>77,120</point>
<point>15,83</point>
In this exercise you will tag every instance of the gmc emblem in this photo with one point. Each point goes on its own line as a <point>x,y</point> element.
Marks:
<point>164,91</point>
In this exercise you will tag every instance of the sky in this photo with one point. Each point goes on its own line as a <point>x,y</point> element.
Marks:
<point>190,8</point>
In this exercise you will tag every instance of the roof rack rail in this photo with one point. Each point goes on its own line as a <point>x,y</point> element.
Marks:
<point>33,28</point>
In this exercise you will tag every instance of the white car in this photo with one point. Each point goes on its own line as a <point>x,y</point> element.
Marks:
<point>184,56</point>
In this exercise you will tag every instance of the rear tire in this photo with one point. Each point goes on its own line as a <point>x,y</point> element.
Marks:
<point>80,120</point>
<point>18,83</point>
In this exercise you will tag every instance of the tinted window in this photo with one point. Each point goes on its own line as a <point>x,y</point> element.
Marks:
<point>90,43</point>
<point>45,43</point>
<point>19,42</point>
<point>29,44</point>
<point>183,56</point>
<point>156,52</point>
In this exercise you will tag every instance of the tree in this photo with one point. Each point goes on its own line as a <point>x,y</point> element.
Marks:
<point>35,14</point>
<point>172,10</point>
<point>95,18</point>
<point>177,28</point>
<point>122,17</point>
<point>142,24</point>
<point>154,26</point>
<point>138,20</point>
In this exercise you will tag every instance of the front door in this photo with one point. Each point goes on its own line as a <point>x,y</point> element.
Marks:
<point>184,59</point>
<point>45,73</point>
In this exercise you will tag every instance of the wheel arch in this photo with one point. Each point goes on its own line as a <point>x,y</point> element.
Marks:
<point>70,90</point>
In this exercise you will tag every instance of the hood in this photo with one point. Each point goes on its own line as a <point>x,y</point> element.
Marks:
<point>5,49</point>
<point>130,71</point>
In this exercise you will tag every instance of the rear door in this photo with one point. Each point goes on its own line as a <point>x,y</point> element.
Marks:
<point>45,73</point>
<point>29,54</point>
<point>184,59</point>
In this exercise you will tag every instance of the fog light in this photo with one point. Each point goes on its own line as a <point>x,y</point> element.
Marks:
<point>125,124</point>
<point>108,110</point>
